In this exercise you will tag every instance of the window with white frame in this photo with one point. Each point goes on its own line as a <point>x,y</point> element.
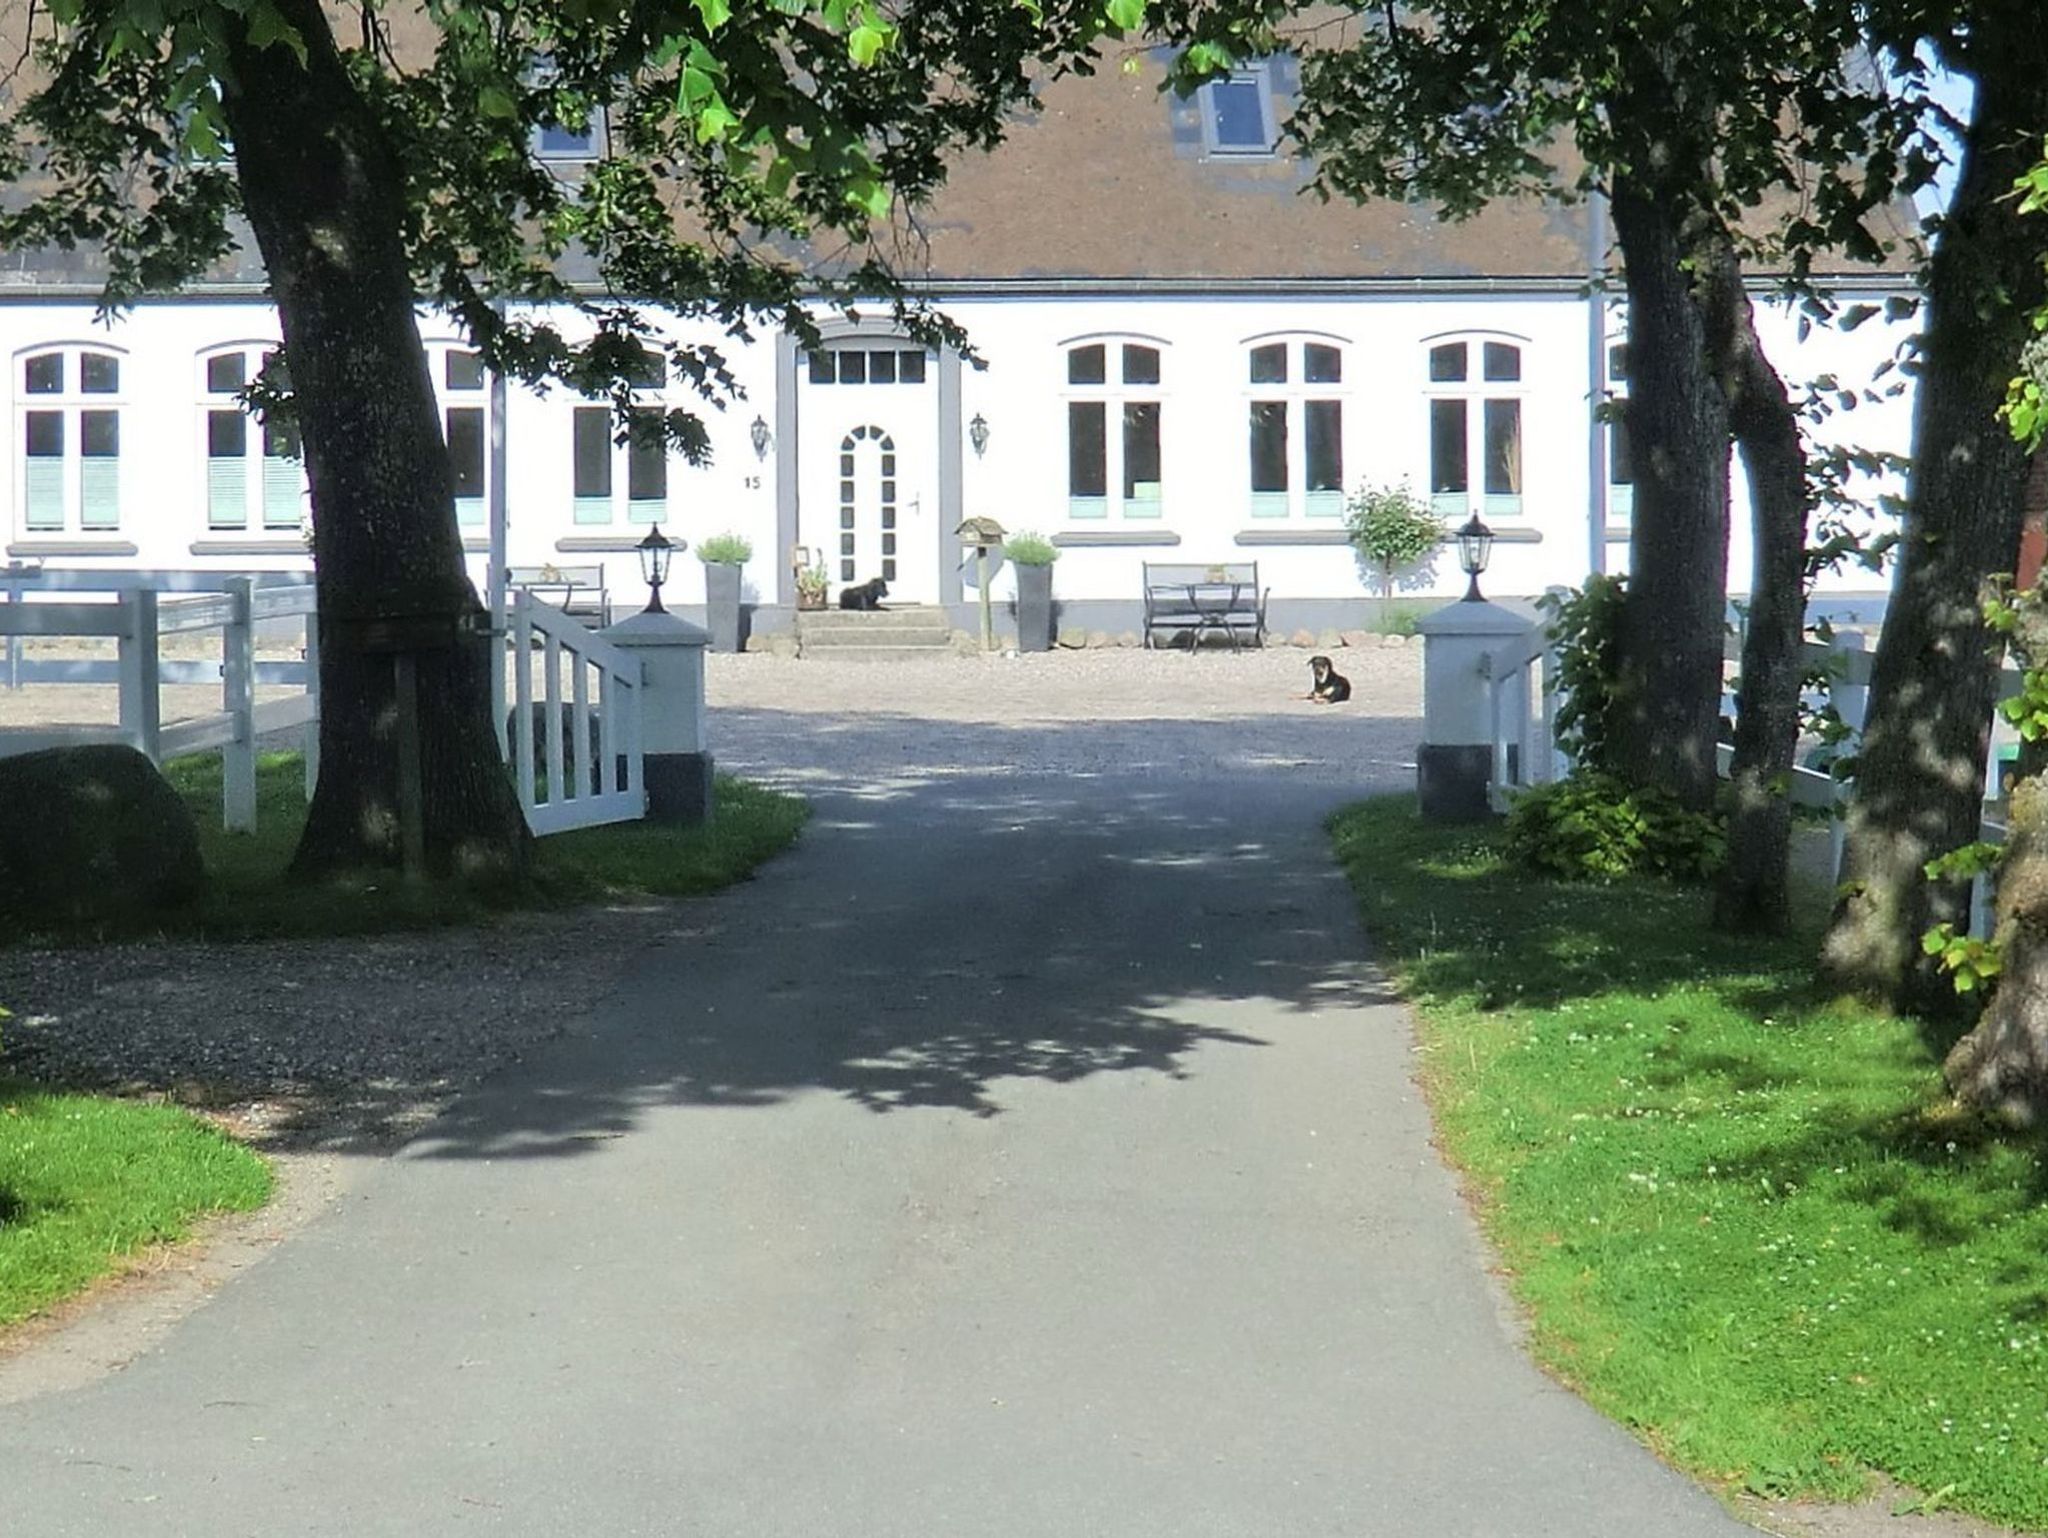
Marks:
<point>1295,418</point>
<point>255,477</point>
<point>1621,471</point>
<point>1113,414</point>
<point>462,390</point>
<point>614,481</point>
<point>68,426</point>
<point>1475,427</point>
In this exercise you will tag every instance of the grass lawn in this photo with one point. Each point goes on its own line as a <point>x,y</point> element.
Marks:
<point>84,1182</point>
<point>1744,1220</point>
<point>248,898</point>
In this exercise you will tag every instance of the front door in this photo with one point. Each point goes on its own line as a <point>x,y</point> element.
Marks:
<point>866,491</point>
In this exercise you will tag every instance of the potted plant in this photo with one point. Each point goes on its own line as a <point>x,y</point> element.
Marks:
<point>810,586</point>
<point>1393,529</point>
<point>723,555</point>
<point>1033,555</point>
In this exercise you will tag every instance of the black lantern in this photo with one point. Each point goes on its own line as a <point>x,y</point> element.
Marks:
<point>1475,549</point>
<point>977,434</point>
<point>762,437</point>
<point>654,552</point>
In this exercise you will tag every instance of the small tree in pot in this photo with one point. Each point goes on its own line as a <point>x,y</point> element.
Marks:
<point>1393,529</point>
<point>723,555</point>
<point>1033,555</point>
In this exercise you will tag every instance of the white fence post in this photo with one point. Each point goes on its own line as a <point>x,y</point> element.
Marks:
<point>238,700</point>
<point>522,696</point>
<point>141,699</point>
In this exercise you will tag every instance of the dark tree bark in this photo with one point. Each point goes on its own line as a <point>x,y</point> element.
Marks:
<point>1752,896</point>
<point>325,197</point>
<point>2002,1065</point>
<point>1934,677</point>
<point>1668,684</point>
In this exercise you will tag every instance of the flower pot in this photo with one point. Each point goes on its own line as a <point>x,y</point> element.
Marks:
<point>1034,608</point>
<point>723,616</point>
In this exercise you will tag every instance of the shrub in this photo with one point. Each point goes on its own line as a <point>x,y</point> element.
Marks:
<point>1591,827</point>
<point>1028,549</point>
<point>725,550</point>
<point>1392,528</point>
<point>1585,629</point>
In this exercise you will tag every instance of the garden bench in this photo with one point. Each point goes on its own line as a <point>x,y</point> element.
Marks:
<point>1183,598</point>
<point>578,591</point>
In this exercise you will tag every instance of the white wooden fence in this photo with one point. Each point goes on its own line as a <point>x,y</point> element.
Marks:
<point>582,766</point>
<point>137,619</point>
<point>593,771</point>
<point>1521,682</point>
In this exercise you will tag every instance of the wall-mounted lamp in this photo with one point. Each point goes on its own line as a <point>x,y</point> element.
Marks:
<point>977,434</point>
<point>761,436</point>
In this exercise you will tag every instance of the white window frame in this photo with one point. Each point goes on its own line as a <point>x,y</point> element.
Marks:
<point>261,480</point>
<point>618,506</point>
<point>1115,396</point>
<point>1295,392</point>
<point>1476,390</point>
<point>71,403</point>
<point>1621,495</point>
<point>472,513</point>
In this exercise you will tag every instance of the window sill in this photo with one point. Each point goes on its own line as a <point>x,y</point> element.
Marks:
<point>572,544</point>
<point>114,547</point>
<point>1276,535</point>
<point>1084,539</point>
<point>254,544</point>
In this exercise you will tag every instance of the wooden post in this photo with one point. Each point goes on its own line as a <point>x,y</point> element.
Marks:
<point>412,813</point>
<point>313,688</point>
<point>988,623</point>
<point>141,699</point>
<point>238,700</point>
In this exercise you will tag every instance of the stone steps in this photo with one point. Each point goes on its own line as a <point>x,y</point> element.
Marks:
<point>877,635</point>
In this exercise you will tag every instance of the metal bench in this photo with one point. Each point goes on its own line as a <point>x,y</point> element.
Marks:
<point>1186,599</point>
<point>578,591</point>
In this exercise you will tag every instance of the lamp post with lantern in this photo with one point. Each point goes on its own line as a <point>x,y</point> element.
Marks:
<point>1475,550</point>
<point>675,751</point>
<point>1454,765</point>
<point>655,552</point>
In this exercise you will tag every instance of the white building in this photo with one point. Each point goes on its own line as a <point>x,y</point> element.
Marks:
<point>1180,357</point>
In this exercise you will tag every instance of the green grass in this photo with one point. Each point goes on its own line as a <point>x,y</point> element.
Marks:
<point>1745,1220</point>
<point>247,896</point>
<point>85,1182</point>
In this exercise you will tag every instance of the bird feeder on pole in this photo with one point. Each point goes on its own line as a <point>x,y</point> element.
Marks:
<point>984,536</point>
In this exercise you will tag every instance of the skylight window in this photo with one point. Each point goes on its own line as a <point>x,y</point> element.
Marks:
<point>1237,114</point>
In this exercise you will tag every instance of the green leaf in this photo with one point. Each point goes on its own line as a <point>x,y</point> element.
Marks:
<point>1125,15</point>
<point>495,101</point>
<point>865,42</point>
<point>870,196</point>
<point>716,13</point>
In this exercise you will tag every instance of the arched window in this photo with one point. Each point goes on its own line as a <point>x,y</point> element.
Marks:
<point>1296,427</point>
<point>1475,419</point>
<point>622,476</point>
<point>1113,471</point>
<point>254,471</point>
<point>68,426</point>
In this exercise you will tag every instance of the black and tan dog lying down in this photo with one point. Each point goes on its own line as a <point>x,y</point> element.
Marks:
<point>864,595</point>
<point>1331,686</point>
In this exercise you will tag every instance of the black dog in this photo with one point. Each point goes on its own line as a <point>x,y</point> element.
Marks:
<point>1332,687</point>
<point>865,595</point>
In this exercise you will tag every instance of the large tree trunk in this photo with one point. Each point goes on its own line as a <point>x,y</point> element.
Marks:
<point>324,195</point>
<point>1668,683</point>
<point>2002,1065</point>
<point>1920,772</point>
<point>1752,896</point>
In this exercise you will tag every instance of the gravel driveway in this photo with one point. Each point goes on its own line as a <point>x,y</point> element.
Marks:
<point>324,1043</point>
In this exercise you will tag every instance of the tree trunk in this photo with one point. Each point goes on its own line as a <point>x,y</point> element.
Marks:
<point>1752,896</point>
<point>1668,672</point>
<point>1920,772</point>
<point>2002,1066</point>
<point>325,197</point>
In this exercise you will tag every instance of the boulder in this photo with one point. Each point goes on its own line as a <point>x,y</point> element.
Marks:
<point>1305,639</point>
<point>1329,641</point>
<point>1129,640</point>
<point>1098,639</point>
<point>91,833</point>
<point>1073,637</point>
<point>1358,638</point>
